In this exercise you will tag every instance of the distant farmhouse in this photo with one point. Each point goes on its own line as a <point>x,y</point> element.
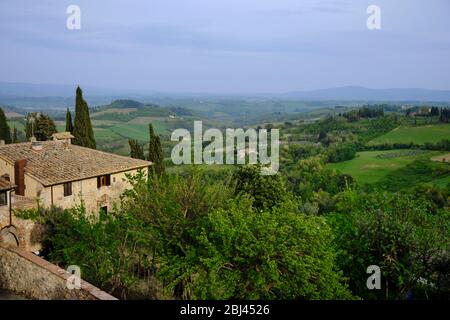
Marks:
<point>58,173</point>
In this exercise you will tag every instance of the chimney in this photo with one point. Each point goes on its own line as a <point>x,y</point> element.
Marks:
<point>35,145</point>
<point>19,176</point>
<point>65,137</point>
<point>2,143</point>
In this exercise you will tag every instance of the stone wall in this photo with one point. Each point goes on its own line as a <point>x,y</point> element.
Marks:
<point>35,278</point>
<point>86,190</point>
<point>27,232</point>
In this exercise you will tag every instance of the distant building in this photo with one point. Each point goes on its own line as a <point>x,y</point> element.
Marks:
<point>58,173</point>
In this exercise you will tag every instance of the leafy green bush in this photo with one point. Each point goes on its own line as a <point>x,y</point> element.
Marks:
<point>276,254</point>
<point>393,231</point>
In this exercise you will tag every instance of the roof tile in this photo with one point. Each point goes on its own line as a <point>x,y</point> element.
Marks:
<point>60,162</point>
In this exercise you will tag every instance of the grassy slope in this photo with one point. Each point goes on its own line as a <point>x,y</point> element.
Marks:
<point>368,168</point>
<point>19,126</point>
<point>419,134</point>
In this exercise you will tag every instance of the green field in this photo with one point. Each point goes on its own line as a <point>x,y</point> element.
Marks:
<point>16,124</point>
<point>372,166</point>
<point>442,182</point>
<point>418,134</point>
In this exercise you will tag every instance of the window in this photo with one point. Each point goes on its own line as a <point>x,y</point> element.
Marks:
<point>67,189</point>
<point>3,198</point>
<point>104,209</point>
<point>103,181</point>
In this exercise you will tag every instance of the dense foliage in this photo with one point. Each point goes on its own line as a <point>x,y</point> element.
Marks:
<point>136,149</point>
<point>40,126</point>
<point>5,131</point>
<point>44,128</point>
<point>395,232</point>
<point>192,239</point>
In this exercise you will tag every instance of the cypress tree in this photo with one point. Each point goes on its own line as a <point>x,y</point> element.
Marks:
<point>159,161</point>
<point>155,153</point>
<point>5,132</point>
<point>15,138</point>
<point>69,125</point>
<point>136,150</point>
<point>82,128</point>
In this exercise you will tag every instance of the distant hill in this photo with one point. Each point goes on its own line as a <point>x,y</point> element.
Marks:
<point>361,93</point>
<point>54,96</point>
<point>126,103</point>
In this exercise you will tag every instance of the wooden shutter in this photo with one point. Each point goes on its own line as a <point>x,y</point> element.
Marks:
<point>67,189</point>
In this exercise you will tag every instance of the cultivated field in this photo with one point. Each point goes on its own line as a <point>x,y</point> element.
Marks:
<point>416,134</point>
<point>372,166</point>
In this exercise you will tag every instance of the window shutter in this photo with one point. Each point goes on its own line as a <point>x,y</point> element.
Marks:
<point>108,180</point>
<point>99,179</point>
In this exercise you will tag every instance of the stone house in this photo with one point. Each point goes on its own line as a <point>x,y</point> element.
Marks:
<point>58,173</point>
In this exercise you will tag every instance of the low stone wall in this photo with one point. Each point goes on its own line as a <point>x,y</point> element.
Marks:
<point>35,278</point>
<point>27,232</point>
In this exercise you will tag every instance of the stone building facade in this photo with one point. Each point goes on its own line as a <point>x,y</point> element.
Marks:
<point>58,173</point>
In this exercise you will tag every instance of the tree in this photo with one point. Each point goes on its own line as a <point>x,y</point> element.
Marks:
<point>266,190</point>
<point>15,138</point>
<point>342,152</point>
<point>5,132</point>
<point>69,125</point>
<point>155,153</point>
<point>208,247</point>
<point>136,150</point>
<point>45,128</point>
<point>242,253</point>
<point>82,129</point>
<point>322,135</point>
<point>171,207</point>
<point>393,231</point>
<point>110,248</point>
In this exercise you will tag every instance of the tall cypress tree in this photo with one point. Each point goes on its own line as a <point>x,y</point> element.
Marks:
<point>82,128</point>
<point>69,125</point>
<point>136,150</point>
<point>5,131</point>
<point>155,153</point>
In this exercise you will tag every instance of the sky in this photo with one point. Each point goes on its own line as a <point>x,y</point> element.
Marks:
<point>227,46</point>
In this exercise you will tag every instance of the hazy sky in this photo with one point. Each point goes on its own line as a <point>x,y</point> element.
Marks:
<point>227,46</point>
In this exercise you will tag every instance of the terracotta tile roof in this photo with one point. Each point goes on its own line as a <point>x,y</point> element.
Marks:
<point>6,185</point>
<point>60,162</point>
